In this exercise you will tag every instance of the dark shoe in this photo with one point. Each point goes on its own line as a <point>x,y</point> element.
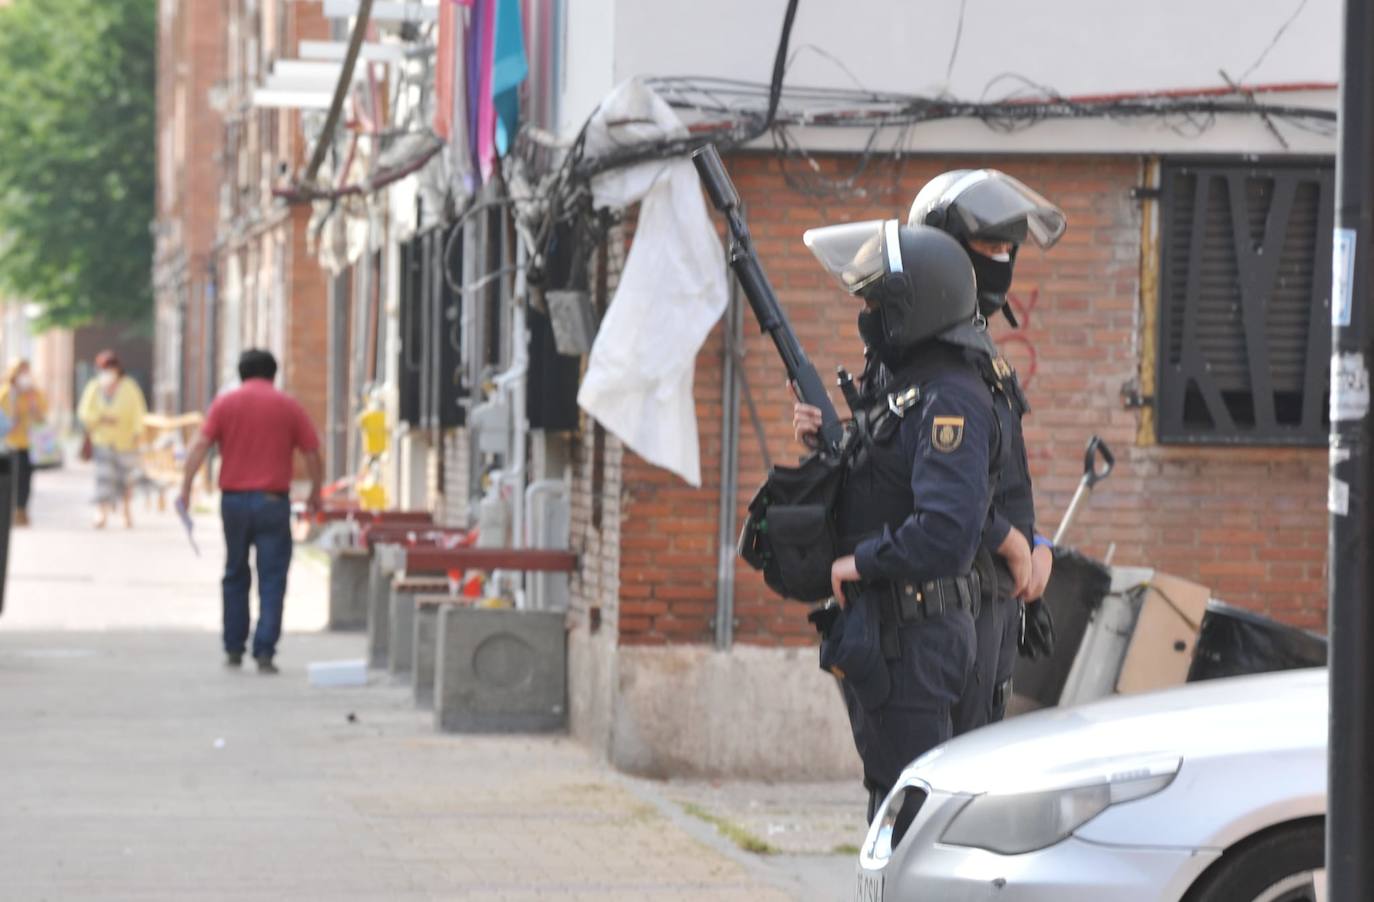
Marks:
<point>265,664</point>
<point>233,659</point>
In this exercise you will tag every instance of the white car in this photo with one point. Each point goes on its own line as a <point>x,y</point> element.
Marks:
<point>1209,792</point>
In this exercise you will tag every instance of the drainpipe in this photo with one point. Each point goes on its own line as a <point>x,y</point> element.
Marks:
<point>512,383</point>
<point>729,472</point>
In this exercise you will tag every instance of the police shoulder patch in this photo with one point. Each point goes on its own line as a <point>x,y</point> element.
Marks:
<point>947,434</point>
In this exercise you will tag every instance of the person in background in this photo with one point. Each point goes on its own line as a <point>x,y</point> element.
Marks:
<point>25,407</point>
<point>258,429</point>
<point>111,410</point>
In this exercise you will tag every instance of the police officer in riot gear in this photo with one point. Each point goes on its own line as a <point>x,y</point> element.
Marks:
<point>991,215</point>
<point>916,496</point>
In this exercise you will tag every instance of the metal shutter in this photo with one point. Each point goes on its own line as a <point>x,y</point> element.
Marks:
<point>1245,299</point>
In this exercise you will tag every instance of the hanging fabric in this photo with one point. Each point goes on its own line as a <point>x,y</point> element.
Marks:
<point>671,292</point>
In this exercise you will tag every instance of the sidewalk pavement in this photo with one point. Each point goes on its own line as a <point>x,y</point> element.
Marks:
<point>135,766</point>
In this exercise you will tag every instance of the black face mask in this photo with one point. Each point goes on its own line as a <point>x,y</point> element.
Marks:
<point>872,331</point>
<point>994,280</point>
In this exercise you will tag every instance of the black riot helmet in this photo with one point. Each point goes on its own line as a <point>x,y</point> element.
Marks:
<point>919,278</point>
<point>988,205</point>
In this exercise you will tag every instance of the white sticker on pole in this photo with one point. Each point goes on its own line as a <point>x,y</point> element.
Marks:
<point>1342,276</point>
<point>1349,387</point>
<point>1338,497</point>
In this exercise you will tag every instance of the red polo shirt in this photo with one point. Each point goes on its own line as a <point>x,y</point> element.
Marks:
<point>257,429</point>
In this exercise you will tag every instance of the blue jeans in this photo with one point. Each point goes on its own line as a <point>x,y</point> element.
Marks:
<point>263,521</point>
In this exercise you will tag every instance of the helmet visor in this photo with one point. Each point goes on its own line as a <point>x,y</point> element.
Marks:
<point>996,207</point>
<point>852,253</point>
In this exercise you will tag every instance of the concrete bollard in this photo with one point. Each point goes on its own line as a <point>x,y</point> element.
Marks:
<point>425,647</point>
<point>348,580</point>
<point>400,653</point>
<point>386,560</point>
<point>500,670</point>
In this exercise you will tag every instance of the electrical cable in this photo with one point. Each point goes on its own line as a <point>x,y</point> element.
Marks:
<point>958,36</point>
<point>1273,43</point>
<point>729,137</point>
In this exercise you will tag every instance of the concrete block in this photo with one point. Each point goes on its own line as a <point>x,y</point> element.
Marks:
<point>400,651</point>
<point>749,713</point>
<point>500,671</point>
<point>348,582</point>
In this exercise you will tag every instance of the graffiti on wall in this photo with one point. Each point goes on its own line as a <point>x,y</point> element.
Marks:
<point>1018,345</point>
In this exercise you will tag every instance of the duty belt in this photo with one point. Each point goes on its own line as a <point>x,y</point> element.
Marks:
<point>907,601</point>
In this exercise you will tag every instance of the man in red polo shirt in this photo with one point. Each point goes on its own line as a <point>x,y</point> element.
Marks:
<point>257,428</point>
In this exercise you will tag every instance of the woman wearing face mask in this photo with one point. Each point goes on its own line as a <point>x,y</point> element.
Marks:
<point>25,407</point>
<point>112,410</point>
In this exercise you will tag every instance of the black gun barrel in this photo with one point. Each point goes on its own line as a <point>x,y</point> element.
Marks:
<point>762,299</point>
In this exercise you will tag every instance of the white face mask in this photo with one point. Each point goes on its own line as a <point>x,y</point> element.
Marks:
<point>23,382</point>
<point>108,378</point>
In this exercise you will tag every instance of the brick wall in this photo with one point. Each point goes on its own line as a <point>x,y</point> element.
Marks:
<point>1250,523</point>
<point>191,62</point>
<point>598,597</point>
<point>454,508</point>
<point>304,371</point>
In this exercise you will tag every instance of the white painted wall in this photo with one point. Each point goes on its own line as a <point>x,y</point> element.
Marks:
<point>588,59</point>
<point>1076,47</point>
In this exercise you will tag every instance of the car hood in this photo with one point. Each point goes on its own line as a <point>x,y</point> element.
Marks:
<point>1060,747</point>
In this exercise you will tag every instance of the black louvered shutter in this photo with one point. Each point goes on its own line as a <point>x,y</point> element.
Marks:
<point>411,363</point>
<point>1245,291</point>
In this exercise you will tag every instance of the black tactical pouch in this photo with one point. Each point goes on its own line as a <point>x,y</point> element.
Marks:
<point>790,532</point>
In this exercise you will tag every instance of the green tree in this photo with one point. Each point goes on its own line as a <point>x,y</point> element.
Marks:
<point>77,156</point>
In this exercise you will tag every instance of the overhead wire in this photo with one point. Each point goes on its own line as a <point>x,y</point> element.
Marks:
<point>1278,35</point>
<point>958,36</point>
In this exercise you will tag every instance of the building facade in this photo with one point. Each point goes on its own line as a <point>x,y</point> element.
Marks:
<point>1181,318</point>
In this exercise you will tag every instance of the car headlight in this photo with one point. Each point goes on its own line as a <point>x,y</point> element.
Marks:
<point>1014,823</point>
<point>892,820</point>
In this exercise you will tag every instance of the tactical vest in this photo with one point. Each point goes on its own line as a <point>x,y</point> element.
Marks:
<point>877,485</point>
<point>805,517</point>
<point>1013,497</point>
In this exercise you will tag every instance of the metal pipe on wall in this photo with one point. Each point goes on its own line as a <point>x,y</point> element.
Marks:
<point>337,448</point>
<point>729,470</point>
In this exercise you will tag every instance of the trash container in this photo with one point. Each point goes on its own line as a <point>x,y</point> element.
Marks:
<point>1235,642</point>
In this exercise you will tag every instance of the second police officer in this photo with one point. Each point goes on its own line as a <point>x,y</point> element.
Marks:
<point>991,215</point>
<point>916,493</point>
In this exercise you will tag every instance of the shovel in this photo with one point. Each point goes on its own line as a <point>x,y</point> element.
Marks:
<point>1097,466</point>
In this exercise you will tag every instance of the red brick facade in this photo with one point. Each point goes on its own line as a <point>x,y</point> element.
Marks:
<point>191,54</point>
<point>1248,522</point>
<point>283,298</point>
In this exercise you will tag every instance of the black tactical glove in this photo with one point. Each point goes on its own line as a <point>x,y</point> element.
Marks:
<point>1037,631</point>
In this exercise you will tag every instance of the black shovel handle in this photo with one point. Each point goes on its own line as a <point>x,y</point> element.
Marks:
<point>1093,473</point>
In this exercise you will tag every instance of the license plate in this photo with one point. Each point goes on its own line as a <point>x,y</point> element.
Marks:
<point>870,887</point>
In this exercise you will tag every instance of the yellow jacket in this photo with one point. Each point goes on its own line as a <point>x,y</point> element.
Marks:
<point>25,410</point>
<point>115,422</point>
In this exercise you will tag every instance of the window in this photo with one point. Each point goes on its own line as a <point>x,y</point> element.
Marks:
<point>1245,288</point>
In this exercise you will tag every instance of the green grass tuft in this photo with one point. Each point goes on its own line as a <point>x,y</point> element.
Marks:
<point>731,831</point>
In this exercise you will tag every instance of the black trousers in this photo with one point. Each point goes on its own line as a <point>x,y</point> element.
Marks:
<point>23,477</point>
<point>934,671</point>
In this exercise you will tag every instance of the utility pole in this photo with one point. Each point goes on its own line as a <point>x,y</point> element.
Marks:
<point>1350,784</point>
